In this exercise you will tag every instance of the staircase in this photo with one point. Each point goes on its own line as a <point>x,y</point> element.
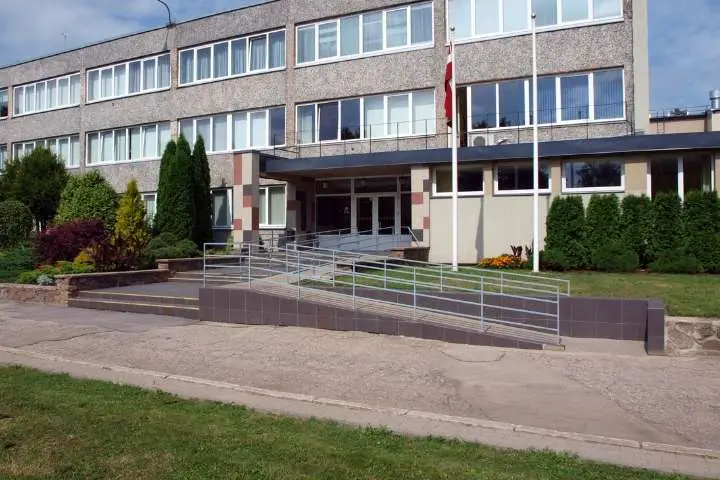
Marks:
<point>141,303</point>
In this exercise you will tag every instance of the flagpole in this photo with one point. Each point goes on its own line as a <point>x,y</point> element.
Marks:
<point>455,129</point>
<point>536,154</point>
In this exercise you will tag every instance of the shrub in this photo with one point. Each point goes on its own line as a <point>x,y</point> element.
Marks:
<point>37,180</point>
<point>701,215</point>
<point>88,197</point>
<point>666,234</point>
<point>16,223</point>
<point>675,261</point>
<point>504,261</point>
<point>131,226</point>
<point>553,260</point>
<point>602,223</point>
<point>15,260</point>
<point>615,256</point>
<point>635,221</point>
<point>163,192</point>
<point>176,205</point>
<point>66,241</point>
<point>112,255</point>
<point>566,231</point>
<point>181,249</point>
<point>84,259</point>
<point>202,231</point>
<point>45,275</point>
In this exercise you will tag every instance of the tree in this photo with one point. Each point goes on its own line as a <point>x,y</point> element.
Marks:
<point>565,238</point>
<point>16,223</point>
<point>202,231</point>
<point>131,227</point>
<point>176,213</point>
<point>36,180</point>
<point>88,197</point>
<point>164,192</point>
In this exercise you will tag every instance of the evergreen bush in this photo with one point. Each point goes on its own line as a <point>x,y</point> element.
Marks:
<point>666,233</point>
<point>602,225</point>
<point>88,197</point>
<point>565,226</point>
<point>176,197</point>
<point>163,191</point>
<point>701,214</point>
<point>16,223</point>
<point>202,231</point>
<point>615,256</point>
<point>131,226</point>
<point>635,221</point>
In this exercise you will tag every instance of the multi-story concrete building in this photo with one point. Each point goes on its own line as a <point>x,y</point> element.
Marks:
<point>328,116</point>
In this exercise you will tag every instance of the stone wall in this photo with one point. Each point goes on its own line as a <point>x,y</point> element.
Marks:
<point>692,336</point>
<point>33,294</point>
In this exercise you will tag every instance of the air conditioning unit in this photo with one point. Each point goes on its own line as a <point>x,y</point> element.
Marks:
<point>481,139</point>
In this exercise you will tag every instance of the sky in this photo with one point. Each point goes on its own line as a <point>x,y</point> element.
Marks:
<point>684,43</point>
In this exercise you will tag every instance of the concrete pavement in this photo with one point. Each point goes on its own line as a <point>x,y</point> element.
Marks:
<point>633,397</point>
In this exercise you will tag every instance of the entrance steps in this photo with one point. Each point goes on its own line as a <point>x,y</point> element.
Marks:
<point>175,306</point>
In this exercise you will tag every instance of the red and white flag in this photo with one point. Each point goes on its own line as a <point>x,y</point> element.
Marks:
<point>449,72</point>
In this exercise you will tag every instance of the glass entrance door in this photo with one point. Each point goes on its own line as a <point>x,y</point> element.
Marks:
<point>386,215</point>
<point>376,215</point>
<point>365,215</point>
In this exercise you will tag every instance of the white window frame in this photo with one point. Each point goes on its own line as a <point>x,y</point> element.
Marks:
<point>430,131</point>
<point>126,65</point>
<point>560,25</point>
<point>141,158</point>
<point>385,50</point>
<point>3,156</point>
<point>209,147</point>
<point>229,43</point>
<point>614,189</point>
<point>499,193</point>
<point>273,226</point>
<point>474,193</point>
<point>558,102</point>
<point>32,86</point>
<point>32,144</point>
<point>149,218</point>
<point>7,102</point>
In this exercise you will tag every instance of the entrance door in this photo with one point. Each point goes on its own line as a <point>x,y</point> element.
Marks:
<point>377,215</point>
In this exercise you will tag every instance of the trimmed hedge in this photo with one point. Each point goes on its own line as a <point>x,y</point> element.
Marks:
<point>16,223</point>
<point>635,223</point>
<point>701,214</point>
<point>615,256</point>
<point>667,232</point>
<point>602,227</point>
<point>566,233</point>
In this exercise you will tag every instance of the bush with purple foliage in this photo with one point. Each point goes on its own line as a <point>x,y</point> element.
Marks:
<point>64,242</point>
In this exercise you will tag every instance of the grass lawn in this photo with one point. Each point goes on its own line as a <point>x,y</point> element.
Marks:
<point>52,426</point>
<point>684,295</point>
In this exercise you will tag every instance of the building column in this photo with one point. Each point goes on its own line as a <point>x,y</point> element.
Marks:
<point>246,211</point>
<point>291,207</point>
<point>421,187</point>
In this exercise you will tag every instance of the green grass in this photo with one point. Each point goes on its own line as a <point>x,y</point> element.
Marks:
<point>684,295</point>
<point>55,427</point>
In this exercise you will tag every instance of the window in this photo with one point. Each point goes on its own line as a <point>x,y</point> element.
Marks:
<point>46,95</point>
<point>593,176</point>
<point>379,116</point>
<point>481,18</point>
<point>129,78</point>
<point>567,98</point>
<point>222,208</point>
<point>150,202</point>
<point>272,206</point>
<point>232,58</point>
<point>470,181</point>
<point>3,102</point>
<point>238,130</point>
<point>145,142</point>
<point>3,157</point>
<point>519,178</point>
<point>365,33</point>
<point>67,149</point>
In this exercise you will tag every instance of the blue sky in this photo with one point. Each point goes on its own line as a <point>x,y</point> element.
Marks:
<point>684,39</point>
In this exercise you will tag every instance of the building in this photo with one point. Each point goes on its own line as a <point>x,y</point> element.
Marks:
<point>328,116</point>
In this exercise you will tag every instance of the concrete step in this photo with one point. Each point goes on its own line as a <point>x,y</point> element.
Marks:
<point>145,298</point>
<point>183,311</point>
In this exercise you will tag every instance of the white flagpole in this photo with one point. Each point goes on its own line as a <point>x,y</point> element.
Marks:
<point>455,130</point>
<point>536,154</point>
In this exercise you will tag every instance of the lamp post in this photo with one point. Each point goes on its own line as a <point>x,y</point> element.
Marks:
<point>168,12</point>
<point>536,153</point>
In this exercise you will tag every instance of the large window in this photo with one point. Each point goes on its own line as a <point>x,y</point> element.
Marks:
<point>222,208</point>
<point>66,148</point>
<point>470,181</point>
<point>3,102</point>
<point>580,97</point>
<point>232,58</point>
<point>483,18</point>
<point>238,130</point>
<point>381,116</point>
<point>272,206</point>
<point>366,33</point>
<point>518,178</point>
<point>150,202</point>
<point>144,142</point>
<point>579,176</point>
<point>50,94</point>
<point>129,78</point>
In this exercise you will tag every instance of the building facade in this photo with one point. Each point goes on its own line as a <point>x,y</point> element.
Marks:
<point>328,116</point>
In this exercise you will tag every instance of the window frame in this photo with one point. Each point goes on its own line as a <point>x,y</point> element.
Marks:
<point>474,193</point>
<point>32,144</point>
<point>611,189</point>
<point>559,25</point>
<point>149,218</point>
<point>411,122</point>
<point>267,188</point>
<point>126,66</point>
<point>229,43</point>
<point>6,91</point>
<point>128,143</point>
<point>384,50</point>
<point>230,134</point>
<point>558,112</point>
<point>33,85</point>
<point>3,156</point>
<point>496,179</point>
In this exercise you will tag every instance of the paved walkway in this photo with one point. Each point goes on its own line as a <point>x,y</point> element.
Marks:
<point>671,401</point>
